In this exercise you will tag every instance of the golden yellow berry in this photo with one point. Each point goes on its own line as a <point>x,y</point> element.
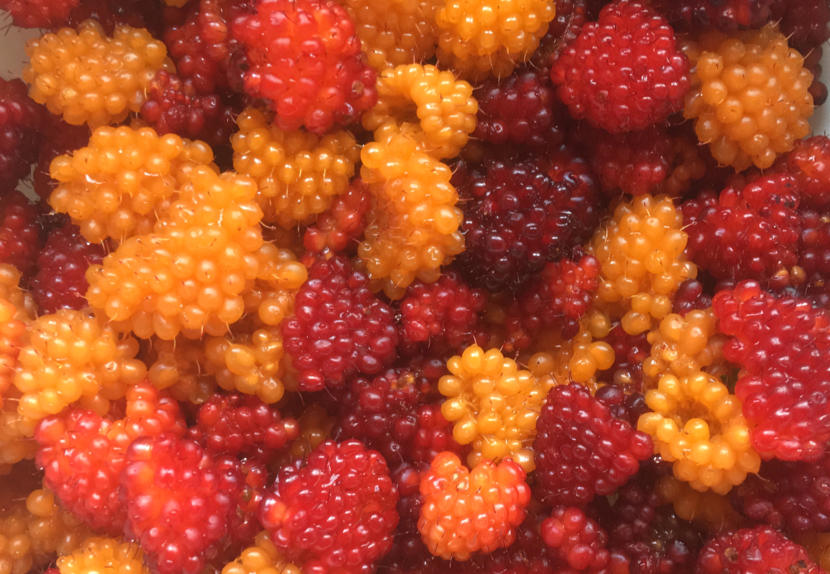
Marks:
<point>479,38</point>
<point>588,355</point>
<point>413,225</point>
<point>179,367</point>
<point>750,96</point>
<point>74,355</point>
<point>395,32</point>
<point>298,173</point>
<point>441,108</point>
<point>123,180</point>
<point>698,425</point>
<point>261,558</point>
<point>493,405</point>
<point>104,556</point>
<point>712,511</point>
<point>88,77</point>
<point>189,276</point>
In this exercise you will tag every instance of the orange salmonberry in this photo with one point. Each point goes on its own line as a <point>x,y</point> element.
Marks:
<point>413,225</point>
<point>397,32</point>
<point>298,173</point>
<point>88,77</point>
<point>440,106</point>
<point>119,184</point>
<point>262,557</point>
<point>493,405</point>
<point>712,511</point>
<point>466,511</point>
<point>74,356</point>
<point>178,367</point>
<point>104,556</point>
<point>479,38</point>
<point>188,276</point>
<point>588,354</point>
<point>698,425</point>
<point>750,96</point>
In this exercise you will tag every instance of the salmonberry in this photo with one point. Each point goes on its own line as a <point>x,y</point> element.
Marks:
<point>39,13</point>
<point>105,556</point>
<point>262,557</point>
<point>577,539</point>
<point>21,125</point>
<point>760,549</point>
<point>340,227</point>
<point>20,232</point>
<point>726,15</point>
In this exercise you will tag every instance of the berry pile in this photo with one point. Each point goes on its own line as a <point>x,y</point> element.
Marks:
<point>415,287</point>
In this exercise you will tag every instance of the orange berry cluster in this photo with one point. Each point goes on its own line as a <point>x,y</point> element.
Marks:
<point>178,367</point>
<point>479,38</point>
<point>74,355</point>
<point>88,77</point>
<point>750,97</point>
<point>117,185</point>
<point>588,353</point>
<point>441,107</point>
<point>298,174</point>
<point>414,223</point>
<point>188,276</point>
<point>684,345</point>
<point>493,405</point>
<point>260,558</point>
<point>698,425</point>
<point>712,511</point>
<point>104,556</point>
<point>466,511</point>
<point>397,32</point>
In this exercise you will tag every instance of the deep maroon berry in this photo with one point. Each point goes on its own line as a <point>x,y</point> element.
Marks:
<point>21,120</point>
<point>20,232</point>
<point>725,15</point>
<point>571,15</point>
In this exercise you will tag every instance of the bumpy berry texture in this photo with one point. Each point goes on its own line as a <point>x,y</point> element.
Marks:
<point>305,59</point>
<point>443,107</point>
<point>174,106</point>
<point>642,262</point>
<point>60,281</point>
<point>176,367</point>
<point>805,23</point>
<point>21,120</point>
<point>298,174</point>
<point>577,539</point>
<point>581,450</point>
<point>116,72</point>
<point>262,557</point>
<point>189,275</point>
<point>571,15</point>
<point>340,227</point>
<point>697,425</point>
<point>520,213</point>
<point>38,13</point>
<point>752,232</point>
<point>58,138</point>
<point>242,425</point>
<point>493,405</point>
<point>750,96</point>
<point>339,327</point>
<point>708,511</point>
<point>754,550</point>
<point>782,347</point>
<point>117,185</point>
<point>481,38</point>
<point>178,504</point>
<point>413,225</point>
<point>335,513</point>
<point>443,316</point>
<point>397,33</point>
<point>467,511</point>
<point>809,164</point>
<point>726,15</point>
<point>82,454</point>
<point>394,414</point>
<point>71,356</point>
<point>518,110</point>
<point>20,233</point>
<point>623,72</point>
<point>104,555</point>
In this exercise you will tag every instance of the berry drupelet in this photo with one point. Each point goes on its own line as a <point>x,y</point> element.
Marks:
<point>20,231</point>
<point>759,549</point>
<point>21,125</point>
<point>577,539</point>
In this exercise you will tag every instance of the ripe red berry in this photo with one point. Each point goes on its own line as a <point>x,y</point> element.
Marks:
<point>21,121</point>
<point>305,59</point>
<point>727,15</point>
<point>20,231</point>
<point>623,72</point>
<point>38,13</point>
<point>339,327</point>
<point>340,227</point>
<point>578,540</point>
<point>581,451</point>
<point>336,513</point>
<point>759,549</point>
<point>571,15</point>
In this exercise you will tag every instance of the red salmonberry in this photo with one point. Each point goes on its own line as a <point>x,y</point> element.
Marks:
<point>725,15</point>
<point>783,347</point>
<point>518,110</point>
<point>337,512</point>
<point>242,425</point>
<point>804,22</point>
<point>809,164</point>
<point>179,503</point>
<point>21,120</point>
<point>60,281</point>
<point>760,549</point>
<point>38,13</point>
<point>629,353</point>
<point>581,451</point>
<point>20,232</point>
<point>623,72</point>
<point>520,213</point>
<point>814,256</point>
<point>578,540</point>
<point>340,227</point>
<point>110,13</point>
<point>623,405</point>
<point>305,59</point>
<point>571,15</point>
<point>691,295</point>
<point>339,328</point>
